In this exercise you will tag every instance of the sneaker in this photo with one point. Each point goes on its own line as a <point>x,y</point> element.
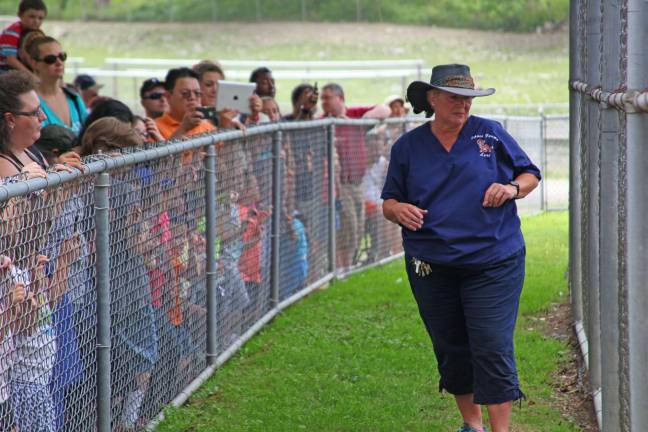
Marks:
<point>466,428</point>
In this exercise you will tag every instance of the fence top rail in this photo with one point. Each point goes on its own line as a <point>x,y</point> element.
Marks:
<point>108,163</point>
<point>278,64</point>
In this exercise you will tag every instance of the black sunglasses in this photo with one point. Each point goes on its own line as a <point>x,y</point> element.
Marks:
<point>154,96</point>
<point>51,59</point>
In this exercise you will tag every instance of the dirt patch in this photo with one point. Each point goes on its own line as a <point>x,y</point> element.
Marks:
<point>571,386</point>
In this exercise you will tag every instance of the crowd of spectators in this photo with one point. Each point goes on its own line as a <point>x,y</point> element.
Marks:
<point>157,223</point>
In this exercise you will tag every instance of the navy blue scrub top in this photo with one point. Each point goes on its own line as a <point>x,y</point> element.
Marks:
<point>457,229</point>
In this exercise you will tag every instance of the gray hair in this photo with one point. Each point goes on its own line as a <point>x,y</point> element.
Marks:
<point>335,88</point>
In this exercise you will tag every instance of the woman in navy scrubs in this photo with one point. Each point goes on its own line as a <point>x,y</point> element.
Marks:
<point>452,185</point>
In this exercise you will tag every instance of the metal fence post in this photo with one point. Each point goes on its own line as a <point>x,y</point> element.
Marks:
<point>593,200</point>
<point>575,215</point>
<point>115,81</point>
<point>543,160</point>
<point>634,337</point>
<point>330,144</point>
<point>210,231</point>
<point>277,179</point>
<point>102,256</point>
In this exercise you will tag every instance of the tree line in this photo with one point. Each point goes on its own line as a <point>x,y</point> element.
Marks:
<point>506,15</point>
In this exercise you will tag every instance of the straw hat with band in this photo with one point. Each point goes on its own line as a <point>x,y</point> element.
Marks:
<point>453,78</point>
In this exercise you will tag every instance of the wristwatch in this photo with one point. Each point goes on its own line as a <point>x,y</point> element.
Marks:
<point>517,188</point>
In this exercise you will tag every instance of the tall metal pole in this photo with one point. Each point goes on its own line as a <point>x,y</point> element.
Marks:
<point>543,159</point>
<point>210,222</point>
<point>575,268</point>
<point>635,323</point>
<point>330,141</point>
<point>609,219</point>
<point>277,179</point>
<point>102,279</point>
<point>593,198</point>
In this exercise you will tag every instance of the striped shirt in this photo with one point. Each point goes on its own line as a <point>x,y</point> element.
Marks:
<point>9,40</point>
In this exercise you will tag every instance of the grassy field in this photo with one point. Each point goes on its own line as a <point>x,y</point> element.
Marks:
<point>525,68</point>
<point>355,357</point>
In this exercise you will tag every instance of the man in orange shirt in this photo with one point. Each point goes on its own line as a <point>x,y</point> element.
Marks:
<point>183,93</point>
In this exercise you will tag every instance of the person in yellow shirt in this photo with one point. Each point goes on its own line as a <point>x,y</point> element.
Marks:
<point>183,93</point>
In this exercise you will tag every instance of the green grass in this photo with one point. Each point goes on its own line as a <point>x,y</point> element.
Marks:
<point>355,357</point>
<point>524,68</point>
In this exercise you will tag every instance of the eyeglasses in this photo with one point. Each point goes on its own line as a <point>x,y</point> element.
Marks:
<point>186,94</point>
<point>36,113</point>
<point>51,59</point>
<point>155,96</point>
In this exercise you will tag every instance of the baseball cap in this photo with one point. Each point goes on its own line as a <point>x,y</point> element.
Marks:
<point>393,98</point>
<point>55,140</point>
<point>84,82</point>
<point>150,84</point>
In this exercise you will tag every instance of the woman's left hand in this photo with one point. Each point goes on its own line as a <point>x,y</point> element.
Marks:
<point>62,168</point>
<point>497,194</point>
<point>71,159</point>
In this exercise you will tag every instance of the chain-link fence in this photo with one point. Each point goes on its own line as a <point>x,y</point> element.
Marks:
<point>131,282</point>
<point>608,237</point>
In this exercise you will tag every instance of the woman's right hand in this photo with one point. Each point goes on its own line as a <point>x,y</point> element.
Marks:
<point>33,170</point>
<point>407,215</point>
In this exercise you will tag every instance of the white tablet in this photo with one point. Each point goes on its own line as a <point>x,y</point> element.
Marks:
<point>234,95</point>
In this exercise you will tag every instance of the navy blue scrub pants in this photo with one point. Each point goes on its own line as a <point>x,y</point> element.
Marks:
<point>470,315</point>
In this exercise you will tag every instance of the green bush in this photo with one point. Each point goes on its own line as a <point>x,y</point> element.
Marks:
<point>509,15</point>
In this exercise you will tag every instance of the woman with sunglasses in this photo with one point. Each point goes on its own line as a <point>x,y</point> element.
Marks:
<point>60,105</point>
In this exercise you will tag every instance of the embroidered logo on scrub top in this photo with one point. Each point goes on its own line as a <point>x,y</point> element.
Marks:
<point>485,149</point>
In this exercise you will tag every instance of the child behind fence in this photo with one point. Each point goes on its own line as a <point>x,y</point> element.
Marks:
<point>233,294</point>
<point>34,352</point>
<point>32,297</point>
<point>6,343</point>
<point>254,220</point>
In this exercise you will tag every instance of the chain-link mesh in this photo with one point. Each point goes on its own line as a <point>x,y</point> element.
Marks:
<point>158,261</point>
<point>47,310</point>
<point>556,164</point>
<point>304,224</point>
<point>352,145</point>
<point>527,131</point>
<point>243,226</point>
<point>157,284</point>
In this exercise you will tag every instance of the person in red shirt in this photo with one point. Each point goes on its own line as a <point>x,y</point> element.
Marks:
<point>352,154</point>
<point>31,14</point>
